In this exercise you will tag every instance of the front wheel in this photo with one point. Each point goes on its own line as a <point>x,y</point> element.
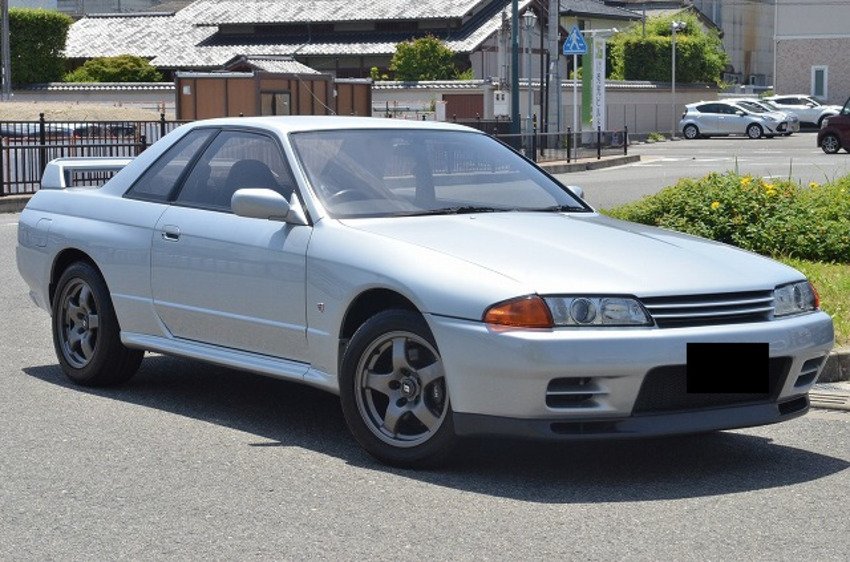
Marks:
<point>393,391</point>
<point>754,131</point>
<point>830,144</point>
<point>86,335</point>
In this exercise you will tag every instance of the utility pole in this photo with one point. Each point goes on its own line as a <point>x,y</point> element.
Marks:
<point>5,54</point>
<point>554,102</point>
<point>515,125</point>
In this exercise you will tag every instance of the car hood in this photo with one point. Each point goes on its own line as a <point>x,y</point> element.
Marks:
<point>553,253</point>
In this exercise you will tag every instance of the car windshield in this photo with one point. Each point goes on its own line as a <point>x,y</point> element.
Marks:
<point>750,106</point>
<point>404,172</point>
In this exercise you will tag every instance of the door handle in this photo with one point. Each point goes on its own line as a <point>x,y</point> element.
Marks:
<point>170,233</point>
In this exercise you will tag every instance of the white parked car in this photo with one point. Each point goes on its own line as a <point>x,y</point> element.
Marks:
<point>437,281</point>
<point>756,105</point>
<point>719,118</point>
<point>808,109</point>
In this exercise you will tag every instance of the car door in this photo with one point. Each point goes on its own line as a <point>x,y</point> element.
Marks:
<point>226,280</point>
<point>707,118</point>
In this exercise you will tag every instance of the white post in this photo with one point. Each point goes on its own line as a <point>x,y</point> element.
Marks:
<point>673,89</point>
<point>575,93</point>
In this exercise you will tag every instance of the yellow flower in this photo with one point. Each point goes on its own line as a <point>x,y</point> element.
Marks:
<point>814,184</point>
<point>770,191</point>
<point>715,205</point>
<point>745,181</point>
<point>768,186</point>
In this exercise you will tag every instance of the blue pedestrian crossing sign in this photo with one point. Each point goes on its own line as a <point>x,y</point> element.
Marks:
<point>575,44</point>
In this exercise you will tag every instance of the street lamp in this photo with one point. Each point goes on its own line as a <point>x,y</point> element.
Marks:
<point>529,19</point>
<point>675,26</point>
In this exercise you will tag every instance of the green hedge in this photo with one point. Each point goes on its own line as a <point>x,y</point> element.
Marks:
<point>36,41</point>
<point>122,68</point>
<point>776,218</point>
<point>699,54</point>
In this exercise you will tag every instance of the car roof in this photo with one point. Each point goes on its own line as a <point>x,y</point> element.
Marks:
<point>300,123</point>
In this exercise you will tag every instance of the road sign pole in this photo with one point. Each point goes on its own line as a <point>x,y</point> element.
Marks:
<point>575,93</point>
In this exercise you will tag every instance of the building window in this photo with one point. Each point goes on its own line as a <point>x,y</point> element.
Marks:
<point>819,81</point>
<point>275,103</point>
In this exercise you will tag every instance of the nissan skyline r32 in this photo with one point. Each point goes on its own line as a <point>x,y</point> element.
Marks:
<point>442,285</point>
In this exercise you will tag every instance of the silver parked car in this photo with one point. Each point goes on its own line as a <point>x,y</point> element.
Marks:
<point>437,281</point>
<point>719,118</point>
<point>759,106</point>
<point>809,110</point>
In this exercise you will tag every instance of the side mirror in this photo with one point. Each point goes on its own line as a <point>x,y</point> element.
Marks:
<point>741,113</point>
<point>265,204</point>
<point>577,191</point>
<point>810,104</point>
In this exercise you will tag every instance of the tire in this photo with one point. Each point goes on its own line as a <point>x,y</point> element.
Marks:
<point>86,335</point>
<point>690,132</point>
<point>754,131</point>
<point>830,144</point>
<point>393,391</point>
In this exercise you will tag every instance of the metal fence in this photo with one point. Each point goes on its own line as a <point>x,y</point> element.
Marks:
<point>27,146</point>
<point>568,146</point>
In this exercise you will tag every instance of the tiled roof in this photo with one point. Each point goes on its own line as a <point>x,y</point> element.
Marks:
<point>177,41</point>
<point>596,8</point>
<point>282,65</point>
<point>303,11</point>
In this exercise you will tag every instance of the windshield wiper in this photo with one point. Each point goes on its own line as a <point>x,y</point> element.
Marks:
<point>558,209</point>
<point>462,210</point>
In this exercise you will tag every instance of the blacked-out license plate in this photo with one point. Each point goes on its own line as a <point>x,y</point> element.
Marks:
<point>742,368</point>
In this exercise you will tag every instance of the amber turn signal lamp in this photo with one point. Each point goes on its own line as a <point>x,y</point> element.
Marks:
<point>816,295</point>
<point>522,312</point>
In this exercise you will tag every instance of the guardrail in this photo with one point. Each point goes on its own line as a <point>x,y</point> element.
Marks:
<point>27,146</point>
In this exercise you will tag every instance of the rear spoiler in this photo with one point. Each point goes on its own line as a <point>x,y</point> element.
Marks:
<point>59,172</point>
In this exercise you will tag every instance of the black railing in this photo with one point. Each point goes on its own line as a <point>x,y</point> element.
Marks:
<point>27,146</point>
<point>568,145</point>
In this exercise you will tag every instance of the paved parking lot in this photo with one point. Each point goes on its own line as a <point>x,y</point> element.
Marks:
<point>196,462</point>
<point>663,163</point>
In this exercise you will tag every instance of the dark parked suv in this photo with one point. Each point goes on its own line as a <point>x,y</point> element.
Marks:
<point>835,131</point>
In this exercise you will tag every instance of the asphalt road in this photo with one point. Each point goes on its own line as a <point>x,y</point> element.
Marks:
<point>196,462</point>
<point>662,164</point>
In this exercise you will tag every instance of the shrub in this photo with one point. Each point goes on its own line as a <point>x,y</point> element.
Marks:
<point>36,40</point>
<point>777,218</point>
<point>123,68</point>
<point>426,58</point>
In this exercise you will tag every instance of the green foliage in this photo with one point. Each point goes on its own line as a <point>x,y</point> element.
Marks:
<point>655,136</point>
<point>776,218</point>
<point>426,58</point>
<point>123,68</point>
<point>832,280</point>
<point>699,54</point>
<point>36,40</point>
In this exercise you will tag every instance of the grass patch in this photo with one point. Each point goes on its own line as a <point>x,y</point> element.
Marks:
<point>832,280</point>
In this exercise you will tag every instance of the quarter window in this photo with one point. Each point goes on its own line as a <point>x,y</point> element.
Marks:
<point>158,181</point>
<point>235,160</point>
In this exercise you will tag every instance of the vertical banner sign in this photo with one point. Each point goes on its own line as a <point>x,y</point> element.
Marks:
<point>586,89</point>
<point>598,86</point>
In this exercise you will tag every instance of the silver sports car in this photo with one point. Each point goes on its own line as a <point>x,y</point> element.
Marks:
<point>438,282</point>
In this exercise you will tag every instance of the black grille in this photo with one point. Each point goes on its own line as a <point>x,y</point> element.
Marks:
<point>706,310</point>
<point>664,389</point>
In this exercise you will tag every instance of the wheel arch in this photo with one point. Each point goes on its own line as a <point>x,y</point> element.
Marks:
<point>62,261</point>
<point>364,306</point>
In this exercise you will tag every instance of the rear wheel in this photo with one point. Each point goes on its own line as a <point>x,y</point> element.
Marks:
<point>393,391</point>
<point>86,335</point>
<point>690,132</point>
<point>830,144</point>
<point>754,131</point>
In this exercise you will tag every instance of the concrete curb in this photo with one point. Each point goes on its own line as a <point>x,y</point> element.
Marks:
<point>831,396</point>
<point>13,203</point>
<point>837,366</point>
<point>583,165</point>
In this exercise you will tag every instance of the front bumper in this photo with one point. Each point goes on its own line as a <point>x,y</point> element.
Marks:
<point>511,378</point>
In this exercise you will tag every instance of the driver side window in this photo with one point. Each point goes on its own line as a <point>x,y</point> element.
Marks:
<point>235,160</point>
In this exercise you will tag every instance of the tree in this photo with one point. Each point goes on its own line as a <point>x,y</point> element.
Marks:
<point>123,68</point>
<point>36,40</point>
<point>426,58</point>
<point>699,54</point>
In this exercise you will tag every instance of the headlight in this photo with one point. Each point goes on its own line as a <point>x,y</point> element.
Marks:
<point>795,298</point>
<point>824,123</point>
<point>597,311</point>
